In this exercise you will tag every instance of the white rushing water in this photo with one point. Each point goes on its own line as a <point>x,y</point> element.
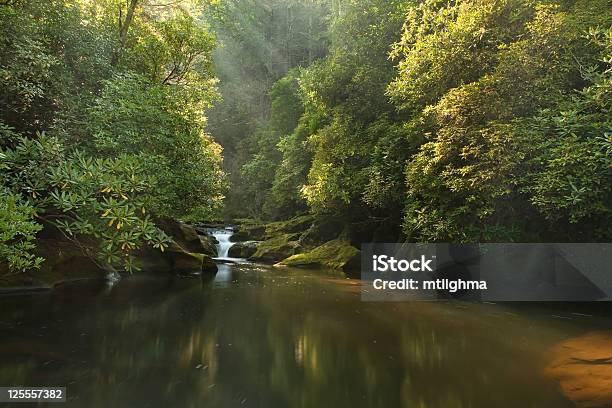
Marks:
<point>224,268</point>
<point>223,237</point>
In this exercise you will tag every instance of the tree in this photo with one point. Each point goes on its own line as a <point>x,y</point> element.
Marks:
<point>349,87</point>
<point>472,179</point>
<point>164,125</point>
<point>260,41</point>
<point>100,144</point>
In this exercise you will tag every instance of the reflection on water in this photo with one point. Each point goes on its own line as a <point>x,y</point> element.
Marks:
<point>260,337</point>
<point>223,278</point>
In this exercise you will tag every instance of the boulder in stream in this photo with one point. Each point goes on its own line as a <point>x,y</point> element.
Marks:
<point>244,249</point>
<point>249,231</point>
<point>277,248</point>
<point>187,237</point>
<point>175,259</point>
<point>335,254</point>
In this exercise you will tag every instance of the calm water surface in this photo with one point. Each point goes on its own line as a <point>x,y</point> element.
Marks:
<point>265,337</point>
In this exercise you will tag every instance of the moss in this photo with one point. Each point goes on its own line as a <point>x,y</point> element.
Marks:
<point>208,245</point>
<point>186,263</point>
<point>243,249</point>
<point>209,265</point>
<point>294,225</point>
<point>249,231</point>
<point>336,254</point>
<point>277,248</point>
<point>254,230</point>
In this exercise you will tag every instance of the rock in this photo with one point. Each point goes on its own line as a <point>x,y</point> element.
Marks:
<point>297,224</point>
<point>583,367</point>
<point>208,245</point>
<point>186,263</point>
<point>187,237</point>
<point>188,233</point>
<point>175,260</point>
<point>64,261</point>
<point>277,248</point>
<point>322,230</point>
<point>189,254</point>
<point>335,254</point>
<point>203,227</point>
<point>249,232</point>
<point>209,265</point>
<point>243,249</point>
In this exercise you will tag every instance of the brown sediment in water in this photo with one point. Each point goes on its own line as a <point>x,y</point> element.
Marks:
<point>583,367</point>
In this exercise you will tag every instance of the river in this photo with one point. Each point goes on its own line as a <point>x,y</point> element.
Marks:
<point>258,336</point>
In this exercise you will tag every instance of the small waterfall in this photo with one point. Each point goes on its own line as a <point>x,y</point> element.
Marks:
<point>223,277</point>
<point>223,237</point>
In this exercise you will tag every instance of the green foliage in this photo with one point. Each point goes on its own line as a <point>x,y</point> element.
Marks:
<point>446,45</point>
<point>103,199</point>
<point>493,137</point>
<point>124,104</point>
<point>50,63</point>
<point>471,120</point>
<point>17,232</point>
<point>176,51</point>
<point>259,42</point>
<point>493,125</point>
<point>285,198</point>
<point>572,179</point>
<point>165,126</point>
<point>349,86</point>
<point>261,172</point>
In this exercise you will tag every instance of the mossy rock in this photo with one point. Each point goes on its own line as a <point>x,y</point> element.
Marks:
<point>252,230</point>
<point>243,249</point>
<point>187,237</point>
<point>175,260</point>
<point>189,263</point>
<point>249,232</point>
<point>208,245</point>
<point>277,248</point>
<point>186,263</point>
<point>294,225</point>
<point>63,262</point>
<point>209,265</point>
<point>335,254</point>
<point>321,230</point>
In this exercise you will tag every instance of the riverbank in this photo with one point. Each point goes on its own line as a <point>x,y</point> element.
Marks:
<point>190,253</point>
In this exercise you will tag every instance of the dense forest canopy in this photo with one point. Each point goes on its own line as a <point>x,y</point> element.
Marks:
<point>465,120</point>
<point>102,125</point>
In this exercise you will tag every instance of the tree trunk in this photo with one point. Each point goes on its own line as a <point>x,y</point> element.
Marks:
<point>124,27</point>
